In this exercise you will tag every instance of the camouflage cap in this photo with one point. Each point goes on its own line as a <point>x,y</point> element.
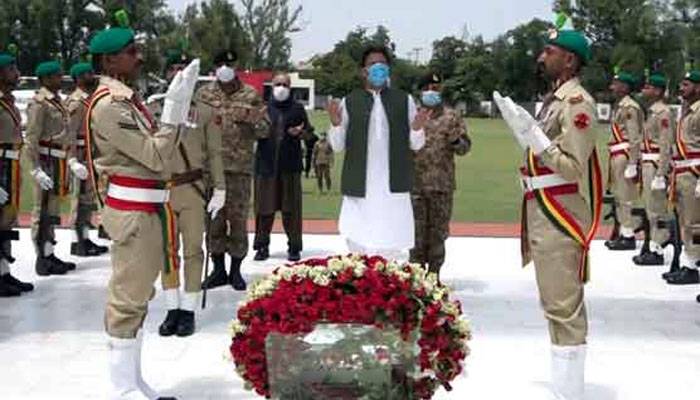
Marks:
<point>429,79</point>
<point>572,41</point>
<point>47,68</point>
<point>6,59</point>
<point>111,41</point>
<point>79,69</point>
<point>225,57</point>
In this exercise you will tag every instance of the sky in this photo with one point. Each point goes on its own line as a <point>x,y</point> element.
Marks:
<point>412,24</point>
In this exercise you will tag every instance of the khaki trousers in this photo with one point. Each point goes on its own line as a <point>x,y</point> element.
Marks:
<point>625,191</point>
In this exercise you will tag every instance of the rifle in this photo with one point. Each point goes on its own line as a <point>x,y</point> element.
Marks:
<point>206,253</point>
<point>608,198</point>
<point>674,239</point>
<point>644,227</point>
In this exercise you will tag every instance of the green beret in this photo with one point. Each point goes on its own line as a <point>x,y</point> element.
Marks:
<point>176,57</point>
<point>572,41</point>
<point>79,69</point>
<point>47,68</point>
<point>626,77</point>
<point>6,59</point>
<point>111,41</point>
<point>658,80</point>
<point>693,76</point>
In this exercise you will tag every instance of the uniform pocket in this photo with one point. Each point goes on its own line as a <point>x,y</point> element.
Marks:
<point>121,225</point>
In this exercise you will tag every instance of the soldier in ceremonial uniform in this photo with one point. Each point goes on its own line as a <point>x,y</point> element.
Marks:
<point>10,145</point>
<point>625,154</point>
<point>234,111</point>
<point>445,137</point>
<point>685,185</point>
<point>560,219</point>
<point>132,152</point>
<point>83,201</point>
<point>197,151</point>
<point>656,152</point>
<point>49,145</point>
<point>323,159</point>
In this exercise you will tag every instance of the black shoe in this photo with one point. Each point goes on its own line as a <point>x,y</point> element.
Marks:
<point>7,290</point>
<point>86,248</point>
<point>218,276</point>
<point>649,258</point>
<point>685,276</point>
<point>670,273</point>
<point>293,255</point>
<point>185,326</point>
<point>46,266</point>
<point>169,326</point>
<point>12,281</point>
<point>262,254</point>
<point>68,265</point>
<point>235,278</point>
<point>622,243</point>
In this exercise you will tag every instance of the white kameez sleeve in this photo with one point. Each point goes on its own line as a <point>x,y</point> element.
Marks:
<point>417,137</point>
<point>337,134</point>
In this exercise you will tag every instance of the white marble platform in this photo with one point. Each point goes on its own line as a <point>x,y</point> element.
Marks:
<point>644,342</point>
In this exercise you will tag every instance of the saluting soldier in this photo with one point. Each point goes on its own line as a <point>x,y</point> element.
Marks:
<point>234,111</point>
<point>560,219</point>
<point>433,189</point>
<point>131,151</point>
<point>625,154</point>
<point>83,200</point>
<point>656,152</point>
<point>199,150</point>
<point>685,189</point>
<point>10,188</point>
<point>49,149</point>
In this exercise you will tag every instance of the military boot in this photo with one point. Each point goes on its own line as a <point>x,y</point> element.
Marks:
<point>7,290</point>
<point>46,266</point>
<point>8,279</point>
<point>218,276</point>
<point>622,244</point>
<point>235,278</point>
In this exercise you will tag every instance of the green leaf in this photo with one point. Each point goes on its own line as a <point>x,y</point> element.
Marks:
<point>560,20</point>
<point>122,18</point>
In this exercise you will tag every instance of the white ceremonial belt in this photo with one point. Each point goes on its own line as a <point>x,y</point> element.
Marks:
<point>139,195</point>
<point>651,156</point>
<point>686,163</point>
<point>619,146</point>
<point>10,154</point>
<point>80,142</point>
<point>57,153</point>
<point>531,183</point>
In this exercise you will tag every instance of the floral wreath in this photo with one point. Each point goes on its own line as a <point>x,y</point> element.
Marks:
<point>353,289</point>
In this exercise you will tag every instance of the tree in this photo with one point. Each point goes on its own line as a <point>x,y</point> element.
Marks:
<point>268,24</point>
<point>446,52</point>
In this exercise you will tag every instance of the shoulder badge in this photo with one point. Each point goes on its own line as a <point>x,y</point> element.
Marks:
<point>576,99</point>
<point>582,121</point>
<point>665,123</point>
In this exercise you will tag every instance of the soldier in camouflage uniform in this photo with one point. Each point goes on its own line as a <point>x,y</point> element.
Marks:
<point>199,150</point>
<point>625,154</point>
<point>49,149</point>
<point>10,188</point>
<point>235,112</point>
<point>432,194</point>
<point>322,159</point>
<point>83,199</point>
<point>560,218</point>
<point>656,153</point>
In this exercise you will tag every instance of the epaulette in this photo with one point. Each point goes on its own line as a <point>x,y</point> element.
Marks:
<point>576,99</point>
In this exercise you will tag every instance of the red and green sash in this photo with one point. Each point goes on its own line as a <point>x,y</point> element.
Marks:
<point>683,154</point>
<point>560,216</point>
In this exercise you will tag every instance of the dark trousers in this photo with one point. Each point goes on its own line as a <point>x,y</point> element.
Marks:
<point>282,193</point>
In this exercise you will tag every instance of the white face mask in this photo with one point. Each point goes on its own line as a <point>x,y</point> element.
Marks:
<point>280,93</point>
<point>225,74</point>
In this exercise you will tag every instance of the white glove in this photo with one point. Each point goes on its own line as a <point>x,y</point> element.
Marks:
<point>697,190</point>
<point>78,169</point>
<point>3,196</point>
<point>510,118</point>
<point>631,171</point>
<point>176,106</point>
<point>44,181</point>
<point>658,183</point>
<point>218,199</point>
<point>534,136</point>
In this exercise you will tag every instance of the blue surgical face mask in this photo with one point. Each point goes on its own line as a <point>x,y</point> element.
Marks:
<point>431,98</point>
<point>378,74</point>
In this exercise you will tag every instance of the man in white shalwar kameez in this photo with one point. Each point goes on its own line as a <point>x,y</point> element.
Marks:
<point>376,215</point>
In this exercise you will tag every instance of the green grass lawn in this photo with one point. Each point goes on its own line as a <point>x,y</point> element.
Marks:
<point>487,178</point>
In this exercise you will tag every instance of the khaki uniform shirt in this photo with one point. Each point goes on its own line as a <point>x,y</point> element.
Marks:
<point>445,136</point>
<point>238,119</point>
<point>10,120</point>
<point>658,132</point>
<point>126,142</point>
<point>200,146</point>
<point>77,105</point>
<point>47,120</point>
<point>323,153</point>
<point>629,117</point>
<point>690,129</point>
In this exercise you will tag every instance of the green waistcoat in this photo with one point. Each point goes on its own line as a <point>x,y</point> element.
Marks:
<point>359,107</point>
